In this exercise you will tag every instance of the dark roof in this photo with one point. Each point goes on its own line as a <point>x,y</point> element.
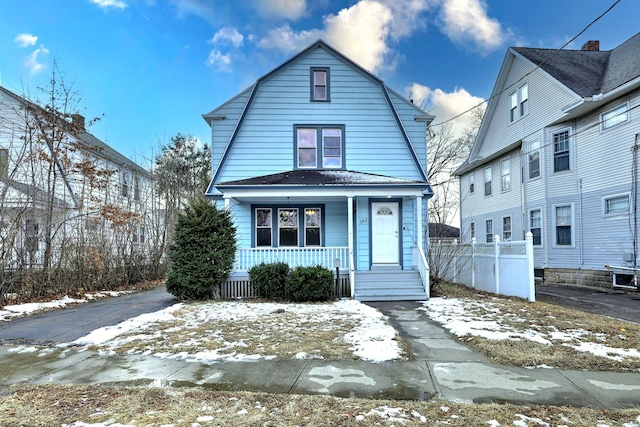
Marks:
<point>322,178</point>
<point>440,230</point>
<point>589,73</point>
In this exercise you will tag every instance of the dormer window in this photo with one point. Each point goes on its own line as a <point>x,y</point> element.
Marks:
<point>319,147</point>
<point>519,103</point>
<point>320,84</point>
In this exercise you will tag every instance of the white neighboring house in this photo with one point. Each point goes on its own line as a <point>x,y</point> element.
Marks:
<point>557,155</point>
<point>62,188</point>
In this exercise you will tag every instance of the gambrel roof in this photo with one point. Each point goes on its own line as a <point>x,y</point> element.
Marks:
<point>250,94</point>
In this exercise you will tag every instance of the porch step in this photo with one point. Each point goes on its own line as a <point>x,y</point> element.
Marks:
<point>392,285</point>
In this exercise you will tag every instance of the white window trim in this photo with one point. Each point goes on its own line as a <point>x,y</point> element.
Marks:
<point>508,162</point>
<point>472,230</point>
<point>541,225</point>
<point>519,100</point>
<point>504,239</point>
<point>624,107</point>
<point>553,149</point>
<point>472,183</point>
<point>297,227</point>
<point>534,146</point>
<point>615,214</point>
<point>486,233</point>
<point>573,226</point>
<point>319,227</point>
<point>484,181</point>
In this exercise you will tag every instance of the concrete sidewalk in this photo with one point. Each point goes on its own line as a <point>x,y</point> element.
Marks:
<point>444,369</point>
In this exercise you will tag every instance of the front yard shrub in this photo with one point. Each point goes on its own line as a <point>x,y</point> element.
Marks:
<point>310,284</point>
<point>270,280</point>
<point>204,249</point>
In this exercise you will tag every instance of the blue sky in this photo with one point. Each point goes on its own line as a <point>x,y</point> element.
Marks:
<point>153,67</point>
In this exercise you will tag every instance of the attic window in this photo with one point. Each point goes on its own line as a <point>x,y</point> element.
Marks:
<point>319,147</point>
<point>320,84</point>
<point>4,163</point>
<point>519,103</point>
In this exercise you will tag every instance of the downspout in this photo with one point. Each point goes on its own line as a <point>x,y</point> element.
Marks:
<point>634,187</point>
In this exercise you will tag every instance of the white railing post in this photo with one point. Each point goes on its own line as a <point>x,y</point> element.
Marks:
<point>496,263</point>
<point>455,261</point>
<point>473,262</point>
<point>529,252</point>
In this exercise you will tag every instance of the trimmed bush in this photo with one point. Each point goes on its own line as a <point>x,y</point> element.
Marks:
<point>204,249</point>
<point>270,280</point>
<point>310,284</point>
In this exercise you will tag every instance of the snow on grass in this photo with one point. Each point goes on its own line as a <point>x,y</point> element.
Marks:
<point>468,317</point>
<point>13,311</point>
<point>368,335</point>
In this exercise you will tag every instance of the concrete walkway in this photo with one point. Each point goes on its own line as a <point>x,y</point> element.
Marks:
<point>444,368</point>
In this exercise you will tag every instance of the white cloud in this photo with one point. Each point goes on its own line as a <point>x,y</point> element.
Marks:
<point>467,22</point>
<point>446,105</point>
<point>228,35</point>
<point>32,63</point>
<point>25,40</point>
<point>116,4</point>
<point>219,61</point>
<point>287,40</point>
<point>284,9</point>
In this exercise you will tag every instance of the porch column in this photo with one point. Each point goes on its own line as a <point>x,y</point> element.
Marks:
<point>352,275</point>
<point>227,202</point>
<point>419,225</point>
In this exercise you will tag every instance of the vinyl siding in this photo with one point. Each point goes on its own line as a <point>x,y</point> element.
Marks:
<point>221,130</point>
<point>265,141</point>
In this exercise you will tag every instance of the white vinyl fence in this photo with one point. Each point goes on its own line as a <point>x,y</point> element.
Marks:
<point>504,268</point>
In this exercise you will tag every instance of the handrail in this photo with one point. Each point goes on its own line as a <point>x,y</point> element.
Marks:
<point>423,268</point>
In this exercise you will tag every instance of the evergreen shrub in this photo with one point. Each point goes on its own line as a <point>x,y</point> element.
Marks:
<point>270,280</point>
<point>310,284</point>
<point>203,252</point>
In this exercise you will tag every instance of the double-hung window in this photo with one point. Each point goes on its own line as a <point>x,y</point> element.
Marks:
<point>505,168</point>
<point>506,228</point>
<point>535,225</point>
<point>615,116</point>
<point>489,230</point>
<point>290,226</point>
<point>487,181</point>
<point>136,188</point>
<point>519,103</point>
<point>319,147</point>
<point>561,147</point>
<point>124,184</point>
<point>534,160</point>
<point>472,229</point>
<point>472,183</point>
<point>320,84</point>
<point>563,225</point>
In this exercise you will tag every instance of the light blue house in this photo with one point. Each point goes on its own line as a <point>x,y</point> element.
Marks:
<point>321,163</point>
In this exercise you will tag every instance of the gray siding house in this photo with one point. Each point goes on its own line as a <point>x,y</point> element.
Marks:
<point>557,155</point>
<point>322,163</point>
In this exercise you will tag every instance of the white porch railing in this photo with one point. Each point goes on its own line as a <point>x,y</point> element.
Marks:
<point>250,257</point>
<point>423,268</point>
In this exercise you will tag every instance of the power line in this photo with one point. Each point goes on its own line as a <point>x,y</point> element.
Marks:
<point>531,72</point>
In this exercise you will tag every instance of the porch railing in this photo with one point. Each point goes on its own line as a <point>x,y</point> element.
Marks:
<point>250,257</point>
<point>423,268</point>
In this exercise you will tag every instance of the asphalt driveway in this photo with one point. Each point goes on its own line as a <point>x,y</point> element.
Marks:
<point>72,323</point>
<point>606,302</point>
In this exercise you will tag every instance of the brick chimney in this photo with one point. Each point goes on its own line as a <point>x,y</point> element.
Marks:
<point>591,45</point>
<point>77,121</point>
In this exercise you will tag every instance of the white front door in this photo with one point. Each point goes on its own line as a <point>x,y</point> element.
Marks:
<point>385,239</point>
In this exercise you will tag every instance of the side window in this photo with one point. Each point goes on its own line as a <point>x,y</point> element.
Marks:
<point>124,184</point>
<point>615,116</point>
<point>617,205</point>
<point>487,181</point>
<point>489,230</point>
<point>472,229</point>
<point>535,225</point>
<point>136,188</point>
<point>505,168</point>
<point>534,160</point>
<point>506,229</point>
<point>563,226</point>
<point>561,147</point>
<point>320,84</point>
<point>472,183</point>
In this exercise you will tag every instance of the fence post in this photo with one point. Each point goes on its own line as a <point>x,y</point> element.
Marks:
<point>496,263</point>
<point>473,262</point>
<point>455,261</point>
<point>529,252</point>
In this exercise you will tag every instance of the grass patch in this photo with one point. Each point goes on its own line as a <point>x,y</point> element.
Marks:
<point>534,334</point>
<point>44,405</point>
